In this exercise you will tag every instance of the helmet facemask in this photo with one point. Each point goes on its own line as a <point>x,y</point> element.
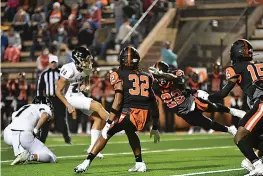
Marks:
<point>84,65</point>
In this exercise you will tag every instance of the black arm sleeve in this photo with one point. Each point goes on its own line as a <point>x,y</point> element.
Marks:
<point>41,85</point>
<point>222,93</point>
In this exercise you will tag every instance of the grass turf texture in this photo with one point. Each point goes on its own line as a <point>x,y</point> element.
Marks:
<point>174,155</point>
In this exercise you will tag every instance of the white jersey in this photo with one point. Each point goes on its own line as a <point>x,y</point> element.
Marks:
<point>26,117</point>
<point>75,78</point>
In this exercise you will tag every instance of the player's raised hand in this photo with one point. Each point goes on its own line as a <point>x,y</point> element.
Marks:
<point>156,135</point>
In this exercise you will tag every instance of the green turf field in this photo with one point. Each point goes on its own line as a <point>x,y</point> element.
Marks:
<point>175,155</point>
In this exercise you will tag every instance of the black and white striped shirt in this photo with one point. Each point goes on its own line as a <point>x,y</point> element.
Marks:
<point>47,82</point>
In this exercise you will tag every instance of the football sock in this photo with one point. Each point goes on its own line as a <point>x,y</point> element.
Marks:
<point>218,127</point>
<point>248,152</point>
<point>91,156</point>
<point>94,136</point>
<point>138,158</point>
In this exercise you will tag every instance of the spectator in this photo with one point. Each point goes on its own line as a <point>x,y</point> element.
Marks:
<point>12,52</point>
<point>65,9</point>
<point>64,55</point>
<point>21,90</point>
<point>54,18</point>
<point>86,35</point>
<point>123,32</point>
<point>108,90</point>
<point>118,12</point>
<point>72,23</point>
<point>42,60</point>
<point>101,40</point>
<point>41,39</point>
<point>60,37</point>
<point>168,55</point>
<point>37,19</point>
<point>11,9</point>
<point>4,44</point>
<point>21,22</point>
<point>93,15</point>
<point>96,86</point>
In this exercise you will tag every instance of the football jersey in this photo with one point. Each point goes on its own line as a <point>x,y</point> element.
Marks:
<point>27,116</point>
<point>137,88</point>
<point>74,77</point>
<point>247,73</point>
<point>173,97</point>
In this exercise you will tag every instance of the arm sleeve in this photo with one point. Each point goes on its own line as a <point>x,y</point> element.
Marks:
<point>41,85</point>
<point>222,93</point>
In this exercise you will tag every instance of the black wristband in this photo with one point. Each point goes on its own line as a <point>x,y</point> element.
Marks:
<point>114,111</point>
<point>109,121</point>
<point>119,91</point>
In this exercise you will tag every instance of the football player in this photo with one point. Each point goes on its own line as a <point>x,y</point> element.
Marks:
<point>77,74</point>
<point>22,132</point>
<point>133,100</point>
<point>172,90</point>
<point>248,75</point>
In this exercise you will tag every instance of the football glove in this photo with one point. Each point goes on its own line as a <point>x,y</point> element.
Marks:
<point>156,135</point>
<point>154,71</point>
<point>202,94</point>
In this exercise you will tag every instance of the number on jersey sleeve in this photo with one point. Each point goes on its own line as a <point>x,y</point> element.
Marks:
<point>66,72</point>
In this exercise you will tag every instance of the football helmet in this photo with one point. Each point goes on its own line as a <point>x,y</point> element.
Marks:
<point>82,58</point>
<point>241,50</point>
<point>43,100</point>
<point>161,67</point>
<point>129,58</point>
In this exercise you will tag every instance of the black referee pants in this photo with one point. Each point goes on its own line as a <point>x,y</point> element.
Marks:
<point>59,121</point>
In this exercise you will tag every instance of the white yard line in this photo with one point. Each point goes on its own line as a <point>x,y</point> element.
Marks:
<point>210,172</point>
<point>142,141</point>
<point>150,151</point>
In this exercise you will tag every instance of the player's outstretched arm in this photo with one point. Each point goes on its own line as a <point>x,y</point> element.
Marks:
<point>224,91</point>
<point>61,84</point>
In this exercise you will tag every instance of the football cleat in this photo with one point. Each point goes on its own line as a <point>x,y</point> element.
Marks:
<point>232,130</point>
<point>139,167</point>
<point>22,157</point>
<point>236,112</point>
<point>258,171</point>
<point>247,165</point>
<point>82,167</point>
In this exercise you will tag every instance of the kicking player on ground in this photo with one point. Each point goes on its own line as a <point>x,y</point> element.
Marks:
<point>248,76</point>
<point>171,89</point>
<point>22,132</point>
<point>77,74</point>
<point>134,98</point>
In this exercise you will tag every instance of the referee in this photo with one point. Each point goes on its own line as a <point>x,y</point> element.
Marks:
<point>47,87</point>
